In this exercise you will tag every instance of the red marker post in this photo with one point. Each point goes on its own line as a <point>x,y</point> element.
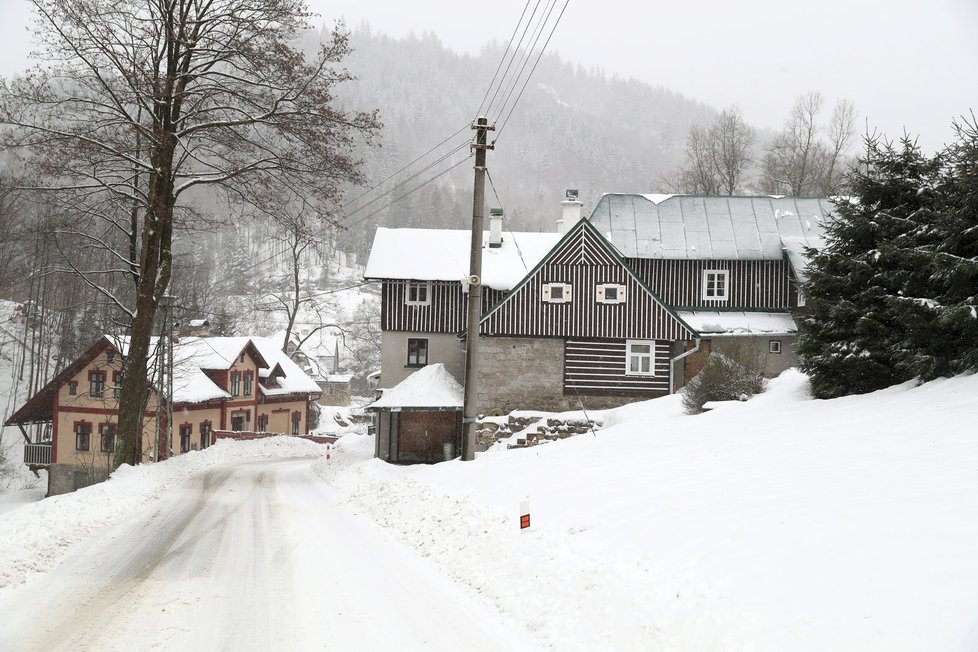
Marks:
<point>524,514</point>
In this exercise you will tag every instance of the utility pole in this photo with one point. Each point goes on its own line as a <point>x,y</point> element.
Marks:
<point>474,281</point>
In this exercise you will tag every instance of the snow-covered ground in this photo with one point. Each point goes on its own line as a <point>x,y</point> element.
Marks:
<point>782,523</point>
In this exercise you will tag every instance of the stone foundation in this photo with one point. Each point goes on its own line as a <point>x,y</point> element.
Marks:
<point>65,478</point>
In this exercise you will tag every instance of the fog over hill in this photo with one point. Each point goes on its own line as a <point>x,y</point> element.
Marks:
<point>572,128</point>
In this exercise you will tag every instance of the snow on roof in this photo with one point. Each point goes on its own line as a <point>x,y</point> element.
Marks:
<point>713,322</point>
<point>295,379</point>
<point>709,228</point>
<point>429,387</point>
<point>443,255</point>
<point>193,355</point>
<point>339,378</point>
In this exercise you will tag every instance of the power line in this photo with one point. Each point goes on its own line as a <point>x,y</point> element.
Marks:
<point>371,189</point>
<point>516,51</point>
<point>525,58</point>
<point>413,176</point>
<point>410,192</point>
<point>532,70</point>
<point>511,234</point>
<point>503,58</point>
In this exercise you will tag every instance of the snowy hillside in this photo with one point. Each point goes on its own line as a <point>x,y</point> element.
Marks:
<point>782,523</point>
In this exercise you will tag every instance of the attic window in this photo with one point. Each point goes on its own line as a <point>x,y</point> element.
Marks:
<point>556,293</point>
<point>610,293</point>
<point>418,293</point>
<point>716,284</point>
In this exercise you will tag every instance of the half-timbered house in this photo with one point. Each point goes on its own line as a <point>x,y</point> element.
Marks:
<point>219,385</point>
<point>626,304</point>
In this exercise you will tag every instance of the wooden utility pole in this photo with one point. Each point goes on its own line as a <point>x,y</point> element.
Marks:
<point>474,281</point>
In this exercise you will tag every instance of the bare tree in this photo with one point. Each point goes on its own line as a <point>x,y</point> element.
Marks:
<point>717,157</point>
<point>142,101</point>
<point>303,236</point>
<point>799,162</point>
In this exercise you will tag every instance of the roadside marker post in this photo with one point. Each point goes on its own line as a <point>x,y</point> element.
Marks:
<point>524,514</point>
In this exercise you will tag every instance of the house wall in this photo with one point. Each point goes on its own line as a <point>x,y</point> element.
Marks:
<point>528,373</point>
<point>753,284</point>
<point>445,312</point>
<point>753,347</point>
<point>584,262</point>
<point>280,412</point>
<point>442,347</point>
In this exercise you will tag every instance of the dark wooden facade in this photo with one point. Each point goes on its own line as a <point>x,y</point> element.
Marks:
<point>583,260</point>
<point>753,284</point>
<point>597,367</point>
<point>417,435</point>
<point>444,313</point>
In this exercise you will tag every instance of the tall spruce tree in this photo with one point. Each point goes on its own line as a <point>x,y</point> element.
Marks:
<point>863,283</point>
<point>892,293</point>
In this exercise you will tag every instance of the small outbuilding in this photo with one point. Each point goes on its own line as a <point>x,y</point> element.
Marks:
<point>420,419</point>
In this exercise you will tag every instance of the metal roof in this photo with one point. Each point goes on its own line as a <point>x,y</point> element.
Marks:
<point>687,227</point>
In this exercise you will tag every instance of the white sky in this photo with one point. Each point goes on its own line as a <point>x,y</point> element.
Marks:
<point>905,63</point>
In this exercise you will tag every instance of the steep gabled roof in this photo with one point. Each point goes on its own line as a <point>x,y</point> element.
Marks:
<point>443,255</point>
<point>645,317</point>
<point>40,407</point>
<point>685,227</point>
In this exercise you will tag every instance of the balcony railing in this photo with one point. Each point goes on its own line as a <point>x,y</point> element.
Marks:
<point>37,454</point>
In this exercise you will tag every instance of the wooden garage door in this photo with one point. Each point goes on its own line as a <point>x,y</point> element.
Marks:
<point>424,433</point>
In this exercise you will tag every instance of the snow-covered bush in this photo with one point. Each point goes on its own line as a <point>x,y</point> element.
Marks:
<point>723,378</point>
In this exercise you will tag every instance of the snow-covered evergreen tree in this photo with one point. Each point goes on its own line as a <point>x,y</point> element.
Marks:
<point>892,293</point>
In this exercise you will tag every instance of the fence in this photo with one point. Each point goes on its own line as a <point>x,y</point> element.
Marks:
<point>246,435</point>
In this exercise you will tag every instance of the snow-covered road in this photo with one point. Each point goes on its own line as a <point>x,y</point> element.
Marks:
<point>251,556</point>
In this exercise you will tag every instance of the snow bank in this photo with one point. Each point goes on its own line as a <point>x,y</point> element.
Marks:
<point>779,523</point>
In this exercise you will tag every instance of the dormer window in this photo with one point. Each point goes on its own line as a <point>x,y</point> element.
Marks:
<point>418,293</point>
<point>556,292</point>
<point>716,284</point>
<point>610,293</point>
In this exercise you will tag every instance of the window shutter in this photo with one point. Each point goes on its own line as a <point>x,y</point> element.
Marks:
<point>546,292</point>
<point>621,294</point>
<point>599,294</point>
<point>567,293</point>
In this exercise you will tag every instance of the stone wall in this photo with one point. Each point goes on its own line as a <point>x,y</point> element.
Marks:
<point>526,431</point>
<point>754,347</point>
<point>65,478</point>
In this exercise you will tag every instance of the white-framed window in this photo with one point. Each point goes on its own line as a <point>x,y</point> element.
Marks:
<point>418,293</point>
<point>640,358</point>
<point>556,292</point>
<point>610,293</point>
<point>716,284</point>
<point>774,346</point>
<point>801,297</point>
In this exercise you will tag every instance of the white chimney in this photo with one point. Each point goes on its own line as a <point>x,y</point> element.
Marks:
<point>571,213</point>
<point>495,228</point>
